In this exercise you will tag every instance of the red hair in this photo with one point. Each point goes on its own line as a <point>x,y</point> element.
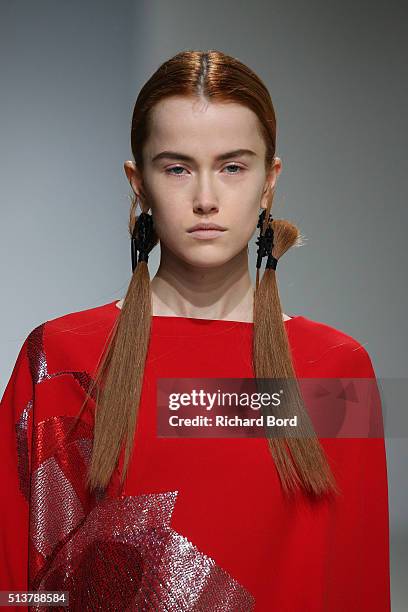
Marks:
<point>300,461</point>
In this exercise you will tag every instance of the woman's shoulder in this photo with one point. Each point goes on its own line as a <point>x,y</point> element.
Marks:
<point>58,354</point>
<point>76,320</point>
<point>321,330</point>
<point>80,334</point>
<point>316,344</point>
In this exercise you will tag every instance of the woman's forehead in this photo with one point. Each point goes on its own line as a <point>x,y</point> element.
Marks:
<point>219,128</point>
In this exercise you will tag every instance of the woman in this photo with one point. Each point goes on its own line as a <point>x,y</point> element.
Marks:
<point>98,504</point>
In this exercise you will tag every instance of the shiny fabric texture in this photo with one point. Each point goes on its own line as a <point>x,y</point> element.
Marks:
<point>125,556</point>
<point>200,524</point>
<point>22,450</point>
<point>109,553</point>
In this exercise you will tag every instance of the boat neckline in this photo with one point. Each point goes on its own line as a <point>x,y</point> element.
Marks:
<point>199,319</point>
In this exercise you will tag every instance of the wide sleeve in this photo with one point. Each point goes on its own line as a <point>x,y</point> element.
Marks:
<point>374,508</point>
<point>358,570</point>
<point>15,414</point>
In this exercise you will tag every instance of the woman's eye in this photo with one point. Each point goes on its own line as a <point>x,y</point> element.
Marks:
<point>176,168</point>
<point>233,166</point>
<point>169,170</point>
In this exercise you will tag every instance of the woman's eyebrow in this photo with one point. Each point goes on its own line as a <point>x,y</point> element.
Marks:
<point>187,158</point>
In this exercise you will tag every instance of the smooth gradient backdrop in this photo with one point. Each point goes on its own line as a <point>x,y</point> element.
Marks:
<point>70,73</point>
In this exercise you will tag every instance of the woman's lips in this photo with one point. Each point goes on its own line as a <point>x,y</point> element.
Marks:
<point>203,234</point>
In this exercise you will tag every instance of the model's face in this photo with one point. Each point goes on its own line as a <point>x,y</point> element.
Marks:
<point>182,192</point>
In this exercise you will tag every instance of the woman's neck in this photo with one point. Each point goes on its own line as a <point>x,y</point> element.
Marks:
<point>156,313</point>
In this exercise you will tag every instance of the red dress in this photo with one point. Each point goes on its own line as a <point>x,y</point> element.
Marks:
<point>201,523</point>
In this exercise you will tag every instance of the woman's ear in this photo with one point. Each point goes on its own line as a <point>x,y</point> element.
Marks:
<point>133,175</point>
<point>266,196</point>
<point>135,179</point>
<point>270,183</point>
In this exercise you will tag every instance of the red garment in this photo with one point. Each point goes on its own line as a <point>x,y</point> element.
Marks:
<point>203,523</point>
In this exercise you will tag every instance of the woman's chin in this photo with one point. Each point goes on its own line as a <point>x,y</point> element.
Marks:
<point>208,260</point>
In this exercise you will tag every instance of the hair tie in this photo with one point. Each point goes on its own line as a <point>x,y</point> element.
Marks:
<point>142,239</point>
<point>265,243</point>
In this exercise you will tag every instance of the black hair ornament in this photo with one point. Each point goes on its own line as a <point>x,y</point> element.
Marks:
<point>265,243</point>
<point>142,239</point>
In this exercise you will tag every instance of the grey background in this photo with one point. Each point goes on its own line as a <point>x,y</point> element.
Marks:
<point>70,74</point>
